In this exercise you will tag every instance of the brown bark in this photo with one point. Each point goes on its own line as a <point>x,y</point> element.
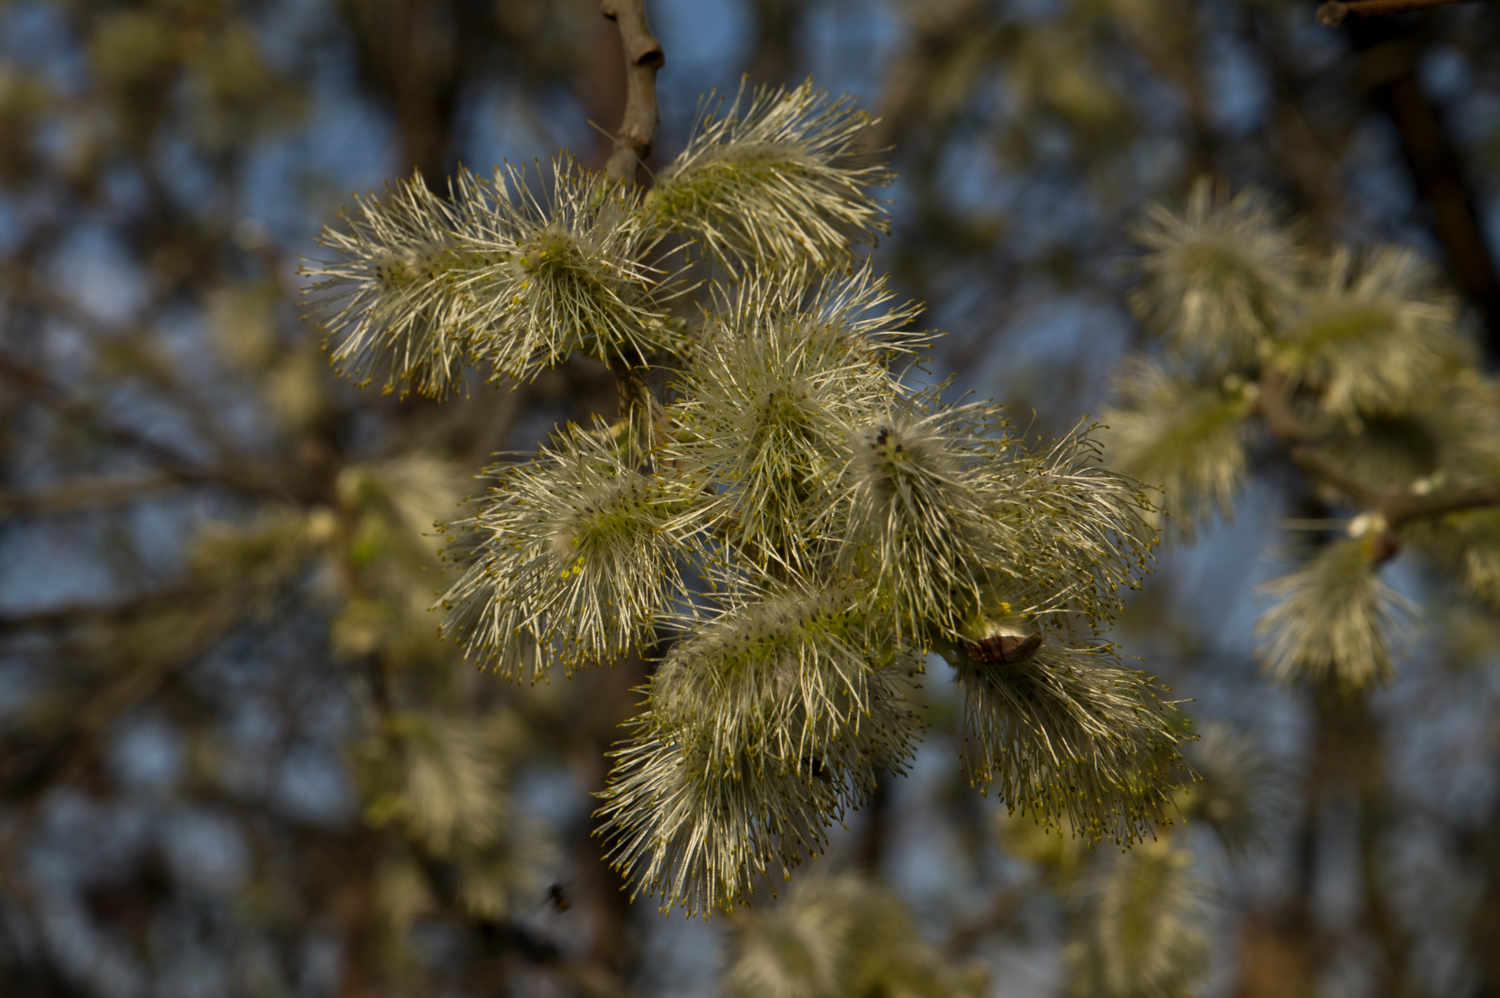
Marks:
<point>1335,12</point>
<point>611,702</point>
<point>776,52</point>
<point>643,59</point>
<point>875,832</point>
<point>1388,54</point>
<point>611,699</point>
<point>406,52</point>
<point>1481,848</point>
<point>1395,508</point>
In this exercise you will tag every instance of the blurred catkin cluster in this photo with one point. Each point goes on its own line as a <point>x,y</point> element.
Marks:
<point>1140,922</point>
<point>1350,364</point>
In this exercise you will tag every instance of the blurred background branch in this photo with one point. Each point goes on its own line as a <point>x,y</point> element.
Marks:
<point>1334,12</point>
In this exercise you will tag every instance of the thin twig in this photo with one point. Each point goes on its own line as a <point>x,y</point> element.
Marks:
<point>1005,902</point>
<point>1402,508</point>
<point>119,611</point>
<point>589,978</point>
<point>87,492</point>
<point>1333,12</point>
<point>636,403</point>
<point>255,480</point>
<point>1317,466</point>
<point>1394,508</point>
<point>1271,398</point>
<point>643,58</point>
<point>23,285</point>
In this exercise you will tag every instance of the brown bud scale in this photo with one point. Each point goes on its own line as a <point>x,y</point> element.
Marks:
<point>1006,649</point>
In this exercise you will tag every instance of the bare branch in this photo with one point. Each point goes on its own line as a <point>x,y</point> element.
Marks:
<point>589,978</point>
<point>1316,466</point>
<point>238,475</point>
<point>1005,903</point>
<point>77,493</point>
<point>1402,508</point>
<point>643,57</point>
<point>1288,428</point>
<point>119,611</point>
<point>1395,509</point>
<point>1271,399</point>
<point>1334,12</point>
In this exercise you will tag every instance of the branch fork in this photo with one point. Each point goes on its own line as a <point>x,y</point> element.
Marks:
<point>1386,511</point>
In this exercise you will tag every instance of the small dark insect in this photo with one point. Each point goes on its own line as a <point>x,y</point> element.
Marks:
<point>818,768</point>
<point>1007,649</point>
<point>557,897</point>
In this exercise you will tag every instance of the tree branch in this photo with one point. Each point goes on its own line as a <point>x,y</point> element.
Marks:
<point>637,404</point>
<point>1005,902</point>
<point>1394,509</point>
<point>1402,508</point>
<point>92,491</point>
<point>240,476</point>
<point>1271,399</point>
<point>643,57</point>
<point>1388,53</point>
<point>1288,428</point>
<point>70,614</point>
<point>589,978</point>
<point>1333,12</point>
<point>1317,466</point>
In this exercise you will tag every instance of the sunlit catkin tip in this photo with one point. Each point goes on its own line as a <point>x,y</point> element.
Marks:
<point>568,273</point>
<point>703,836</point>
<point>777,184</point>
<point>897,452</point>
<point>388,302</point>
<point>498,275</point>
<point>783,367</point>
